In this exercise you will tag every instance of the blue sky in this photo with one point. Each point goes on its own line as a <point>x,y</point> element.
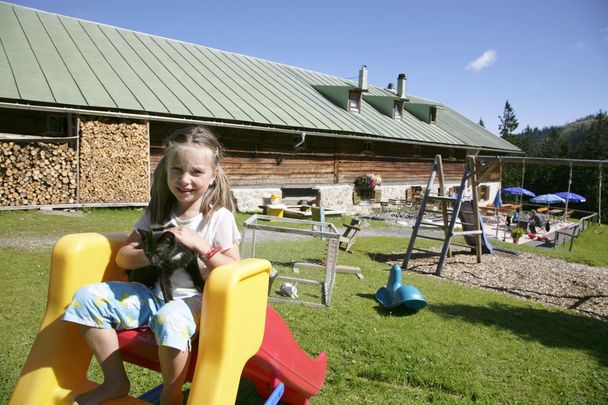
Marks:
<point>549,58</point>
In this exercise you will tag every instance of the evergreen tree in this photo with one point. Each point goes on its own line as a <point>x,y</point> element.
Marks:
<point>508,121</point>
<point>551,146</point>
<point>481,123</point>
<point>585,139</point>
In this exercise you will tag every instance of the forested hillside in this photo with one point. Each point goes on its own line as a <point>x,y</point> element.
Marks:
<point>586,138</point>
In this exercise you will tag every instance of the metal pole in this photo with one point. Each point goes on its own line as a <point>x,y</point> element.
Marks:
<point>523,176</point>
<point>565,216</point>
<point>500,185</point>
<point>542,161</point>
<point>599,203</point>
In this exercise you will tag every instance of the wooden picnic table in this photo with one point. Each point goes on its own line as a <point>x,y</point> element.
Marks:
<point>503,209</point>
<point>300,211</point>
<point>555,212</point>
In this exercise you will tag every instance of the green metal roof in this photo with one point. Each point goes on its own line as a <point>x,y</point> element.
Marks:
<point>57,60</point>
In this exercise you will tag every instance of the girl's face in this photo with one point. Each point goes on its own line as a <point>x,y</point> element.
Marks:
<point>189,174</point>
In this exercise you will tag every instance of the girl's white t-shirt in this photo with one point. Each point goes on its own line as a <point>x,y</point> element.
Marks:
<point>220,231</point>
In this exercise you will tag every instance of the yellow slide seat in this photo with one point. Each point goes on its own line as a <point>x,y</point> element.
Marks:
<point>55,370</point>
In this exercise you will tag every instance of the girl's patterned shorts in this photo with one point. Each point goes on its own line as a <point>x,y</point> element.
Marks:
<point>129,305</point>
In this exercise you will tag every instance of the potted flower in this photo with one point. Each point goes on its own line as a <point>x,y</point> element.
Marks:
<point>517,233</point>
<point>366,187</point>
<point>368,182</point>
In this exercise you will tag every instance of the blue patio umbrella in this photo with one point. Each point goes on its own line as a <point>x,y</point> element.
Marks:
<point>518,191</point>
<point>497,200</point>
<point>548,199</point>
<point>497,203</point>
<point>571,197</point>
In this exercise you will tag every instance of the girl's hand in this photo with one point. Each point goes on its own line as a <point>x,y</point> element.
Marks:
<point>191,239</point>
<point>130,256</point>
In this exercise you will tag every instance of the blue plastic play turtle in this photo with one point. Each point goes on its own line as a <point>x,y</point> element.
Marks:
<point>395,294</point>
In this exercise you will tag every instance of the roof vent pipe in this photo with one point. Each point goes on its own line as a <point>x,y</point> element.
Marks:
<point>401,85</point>
<point>363,78</point>
<point>391,87</point>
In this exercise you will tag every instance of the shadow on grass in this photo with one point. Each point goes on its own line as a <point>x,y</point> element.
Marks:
<point>399,310</point>
<point>551,329</point>
<point>399,257</point>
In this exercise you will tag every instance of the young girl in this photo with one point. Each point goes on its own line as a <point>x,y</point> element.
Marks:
<point>190,193</point>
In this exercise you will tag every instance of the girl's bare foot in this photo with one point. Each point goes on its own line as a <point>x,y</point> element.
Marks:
<point>107,390</point>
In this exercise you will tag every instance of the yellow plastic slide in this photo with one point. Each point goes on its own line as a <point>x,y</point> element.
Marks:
<point>232,326</point>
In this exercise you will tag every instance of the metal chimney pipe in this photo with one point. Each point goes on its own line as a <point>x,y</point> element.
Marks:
<point>401,85</point>
<point>363,78</point>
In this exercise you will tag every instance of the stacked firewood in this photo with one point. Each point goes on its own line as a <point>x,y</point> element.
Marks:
<point>37,173</point>
<point>114,162</point>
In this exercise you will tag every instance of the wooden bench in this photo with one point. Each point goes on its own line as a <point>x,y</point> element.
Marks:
<point>351,231</point>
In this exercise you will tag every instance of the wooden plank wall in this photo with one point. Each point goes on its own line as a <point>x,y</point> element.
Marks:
<point>255,158</point>
<point>26,122</point>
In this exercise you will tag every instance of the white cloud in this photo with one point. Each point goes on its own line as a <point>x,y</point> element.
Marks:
<point>579,45</point>
<point>485,60</point>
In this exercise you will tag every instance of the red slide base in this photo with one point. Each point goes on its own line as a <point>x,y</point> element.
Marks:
<point>279,359</point>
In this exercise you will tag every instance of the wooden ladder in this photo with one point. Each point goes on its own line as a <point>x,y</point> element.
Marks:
<point>450,214</point>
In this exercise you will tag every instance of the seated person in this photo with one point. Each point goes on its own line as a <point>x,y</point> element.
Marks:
<point>516,217</point>
<point>535,220</point>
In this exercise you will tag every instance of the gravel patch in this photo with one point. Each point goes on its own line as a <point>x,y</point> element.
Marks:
<point>28,242</point>
<point>551,281</point>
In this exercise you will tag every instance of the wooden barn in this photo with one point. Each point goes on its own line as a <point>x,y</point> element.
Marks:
<point>84,108</point>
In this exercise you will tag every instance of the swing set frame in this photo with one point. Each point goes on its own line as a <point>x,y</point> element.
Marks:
<point>489,163</point>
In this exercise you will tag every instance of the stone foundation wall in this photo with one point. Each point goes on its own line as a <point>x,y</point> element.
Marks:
<point>249,199</point>
<point>338,197</point>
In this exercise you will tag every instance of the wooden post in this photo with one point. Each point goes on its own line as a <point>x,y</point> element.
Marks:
<point>444,204</point>
<point>473,181</point>
<point>78,159</point>
<point>599,198</point>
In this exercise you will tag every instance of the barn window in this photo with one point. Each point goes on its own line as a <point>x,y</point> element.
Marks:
<point>367,147</point>
<point>453,190</point>
<point>57,124</point>
<point>360,194</point>
<point>433,115</point>
<point>354,101</point>
<point>484,192</point>
<point>416,151</point>
<point>417,192</point>
<point>398,109</point>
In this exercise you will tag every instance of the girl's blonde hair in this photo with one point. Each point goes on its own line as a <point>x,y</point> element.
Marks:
<point>162,201</point>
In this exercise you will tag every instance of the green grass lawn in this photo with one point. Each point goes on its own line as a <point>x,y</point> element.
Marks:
<point>469,345</point>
